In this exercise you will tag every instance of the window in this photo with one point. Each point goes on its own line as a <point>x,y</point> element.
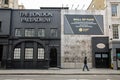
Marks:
<point>98,55</point>
<point>40,53</point>
<point>29,33</point>
<point>17,52</point>
<point>53,32</point>
<point>28,53</point>
<point>41,32</point>
<point>115,31</point>
<point>114,9</point>
<point>6,1</point>
<point>18,32</point>
<point>0,25</point>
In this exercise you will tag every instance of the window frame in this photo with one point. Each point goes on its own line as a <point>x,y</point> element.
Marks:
<point>29,33</point>
<point>40,53</point>
<point>115,30</point>
<point>54,34</point>
<point>6,2</point>
<point>28,51</point>
<point>114,13</point>
<point>20,35</point>
<point>17,53</point>
<point>42,31</point>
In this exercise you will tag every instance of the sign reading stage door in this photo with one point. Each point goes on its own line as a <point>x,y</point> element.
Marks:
<point>83,24</point>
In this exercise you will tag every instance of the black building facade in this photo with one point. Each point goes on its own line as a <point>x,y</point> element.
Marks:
<point>30,39</point>
<point>100,52</point>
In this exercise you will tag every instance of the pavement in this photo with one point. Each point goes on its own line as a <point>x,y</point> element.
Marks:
<point>59,72</point>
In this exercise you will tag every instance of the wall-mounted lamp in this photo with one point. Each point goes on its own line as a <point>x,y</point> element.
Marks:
<point>110,38</point>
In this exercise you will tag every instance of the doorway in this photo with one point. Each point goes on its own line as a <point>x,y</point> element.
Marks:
<point>102,60</point>
<point>1,54</point>
<point>118,57</point>
<point>53,57</point>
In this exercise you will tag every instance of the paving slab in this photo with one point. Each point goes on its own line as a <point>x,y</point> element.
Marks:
<point>59,72</point>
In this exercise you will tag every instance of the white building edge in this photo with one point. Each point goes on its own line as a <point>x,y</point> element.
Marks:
<point>113,23</point>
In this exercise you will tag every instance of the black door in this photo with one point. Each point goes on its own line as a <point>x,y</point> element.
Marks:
<point>102,60</point>
<point>1,53</point>
<point>118,57</point>
<point>53,57</point>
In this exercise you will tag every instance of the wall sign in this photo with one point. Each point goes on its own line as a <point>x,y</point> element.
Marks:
<point>35,17</point>
<point>100,45</point>
<point>83,24</point>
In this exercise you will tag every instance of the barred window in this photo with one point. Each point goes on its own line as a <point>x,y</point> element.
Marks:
<point>18,32</point>
<point>17,52</point>
<point>115,31</point>
<point>41,32</point>
<point>53,32</point>
<point>114,9</point>
<point>41,53</point>
<point>28,53</point>
<point>29,33</point>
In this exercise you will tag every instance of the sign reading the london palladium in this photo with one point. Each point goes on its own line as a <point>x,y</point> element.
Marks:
<point>83,24</point>
<point>35,17</point>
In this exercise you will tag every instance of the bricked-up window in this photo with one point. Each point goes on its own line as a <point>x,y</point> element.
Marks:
<point>53,32</point>
<point>6,1</point>
<point>41,53</point>
<point>17,52</point>
<point>115,31</point>
<point>114,8</point>
<point>28,53</point>
<point>41,32</point>
<point>18,32</point>
<point>29,33</point>
<point>0,25</point>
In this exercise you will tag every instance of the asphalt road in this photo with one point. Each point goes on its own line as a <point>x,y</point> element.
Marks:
<point>59,77</point>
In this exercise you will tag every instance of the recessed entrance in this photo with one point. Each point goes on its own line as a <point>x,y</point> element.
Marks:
<point>53,57</point>
<point>1,54</point>
<point>102,60</point>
